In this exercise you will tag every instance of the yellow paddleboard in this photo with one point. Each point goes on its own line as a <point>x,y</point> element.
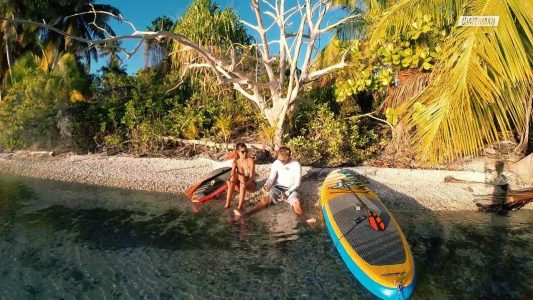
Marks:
<point>367,236</point>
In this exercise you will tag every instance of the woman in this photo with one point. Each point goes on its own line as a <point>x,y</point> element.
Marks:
<point>242,176</point>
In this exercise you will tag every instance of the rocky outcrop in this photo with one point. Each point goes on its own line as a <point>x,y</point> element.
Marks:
<point>524,169</point>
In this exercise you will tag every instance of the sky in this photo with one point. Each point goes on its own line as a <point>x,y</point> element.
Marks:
<point>142,12</point>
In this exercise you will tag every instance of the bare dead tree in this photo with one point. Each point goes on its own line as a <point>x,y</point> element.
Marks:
<point>274,93</point>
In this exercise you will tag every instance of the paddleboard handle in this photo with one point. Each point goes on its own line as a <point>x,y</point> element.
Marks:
<point>376,223</point>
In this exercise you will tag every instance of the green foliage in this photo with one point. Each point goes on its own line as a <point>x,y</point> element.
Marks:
<point>374,68</point>
<point>307,151</point>
<point>224,126</point>
<point>134,113</point>
<point>206,24</point>
<point>37,100</point>
<point>332,138</point>
<point>132,110</point>
<point>267,134</point>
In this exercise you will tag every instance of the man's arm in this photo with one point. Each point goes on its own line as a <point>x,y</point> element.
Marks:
<point>272,176</point>
<point>297,179</point>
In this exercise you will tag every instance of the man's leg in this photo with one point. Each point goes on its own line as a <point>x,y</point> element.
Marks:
<point>259,206</point>
<point>297,208</point>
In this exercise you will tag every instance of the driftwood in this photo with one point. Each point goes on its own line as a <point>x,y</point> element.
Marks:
<point>519,198</point>
<point>35,153</point>
<point>503,200</point>
<point>212,144</point>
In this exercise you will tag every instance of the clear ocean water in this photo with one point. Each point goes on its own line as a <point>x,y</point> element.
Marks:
<point>70,241</point>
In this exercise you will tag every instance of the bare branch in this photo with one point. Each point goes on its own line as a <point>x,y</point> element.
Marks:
<point>137,47</point>
<point>249,96</point>
<point>93,11</point>
<point>274,8</point>
<point>134,35</point>
<point>96,25</point>
<point>319,73</point>
<point>336,24</point>
<point>371,115</point>
<point>250,25</point>
<point>262,33</point>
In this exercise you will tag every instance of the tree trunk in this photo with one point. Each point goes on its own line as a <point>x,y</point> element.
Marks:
<point>524,146</point>
<point>8,58</point>
<point>282,127</point>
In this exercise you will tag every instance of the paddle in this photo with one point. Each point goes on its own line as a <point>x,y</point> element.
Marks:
<point>376,221</point>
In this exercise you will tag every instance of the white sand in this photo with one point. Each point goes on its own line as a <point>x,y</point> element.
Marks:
<point>400,189</point>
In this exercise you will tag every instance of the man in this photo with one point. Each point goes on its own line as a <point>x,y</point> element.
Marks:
<point>282,185</point>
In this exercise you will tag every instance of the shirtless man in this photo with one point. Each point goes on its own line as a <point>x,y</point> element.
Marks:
<point>281,185</point>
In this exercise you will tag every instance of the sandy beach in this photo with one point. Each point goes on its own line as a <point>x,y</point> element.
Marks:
<point>400,189</point>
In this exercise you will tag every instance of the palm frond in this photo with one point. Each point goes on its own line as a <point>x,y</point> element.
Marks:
<point>396,19</point>
<point>411,83</point>
<point>480,87</point>
<point>204,23</point>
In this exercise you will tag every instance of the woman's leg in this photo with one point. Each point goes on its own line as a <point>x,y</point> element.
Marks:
<point>245,185</point>
<point>242,194</point>
<point>231,188</point>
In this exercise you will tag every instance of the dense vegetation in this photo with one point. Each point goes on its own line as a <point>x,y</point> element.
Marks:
<point>402,80</point>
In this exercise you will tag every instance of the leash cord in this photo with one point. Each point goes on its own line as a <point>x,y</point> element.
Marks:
<point>356,222</point>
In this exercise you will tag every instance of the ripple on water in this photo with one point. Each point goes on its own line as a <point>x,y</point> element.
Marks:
<point>72,241</point>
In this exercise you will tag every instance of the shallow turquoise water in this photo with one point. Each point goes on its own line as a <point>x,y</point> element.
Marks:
<point>60,240</point>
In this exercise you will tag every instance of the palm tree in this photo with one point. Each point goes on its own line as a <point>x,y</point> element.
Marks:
<point>207,25</point>
<point>17,39</point>
<point>114,61</point>
<point>481,90</point>
<point>61,16</point>
<point>155,51</point>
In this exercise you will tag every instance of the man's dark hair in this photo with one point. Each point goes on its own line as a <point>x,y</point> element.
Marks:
<point>285,151</point>
<point>240,146</point>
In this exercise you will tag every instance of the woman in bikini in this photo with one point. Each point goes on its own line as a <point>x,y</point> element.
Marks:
<point>242,176</point>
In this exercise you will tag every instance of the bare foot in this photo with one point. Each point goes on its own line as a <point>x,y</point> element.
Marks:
<point>237,212</point>
<point>227,206</point>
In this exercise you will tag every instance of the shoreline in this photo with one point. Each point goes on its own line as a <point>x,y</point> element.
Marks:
<point>399,189</point>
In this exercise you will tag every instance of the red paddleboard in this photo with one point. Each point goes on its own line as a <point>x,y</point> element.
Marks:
<point>212,186</point>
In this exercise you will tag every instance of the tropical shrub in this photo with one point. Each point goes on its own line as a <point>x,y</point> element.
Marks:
<point>374,67</point>
<point>333,138</point>
<point>38,106</point>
